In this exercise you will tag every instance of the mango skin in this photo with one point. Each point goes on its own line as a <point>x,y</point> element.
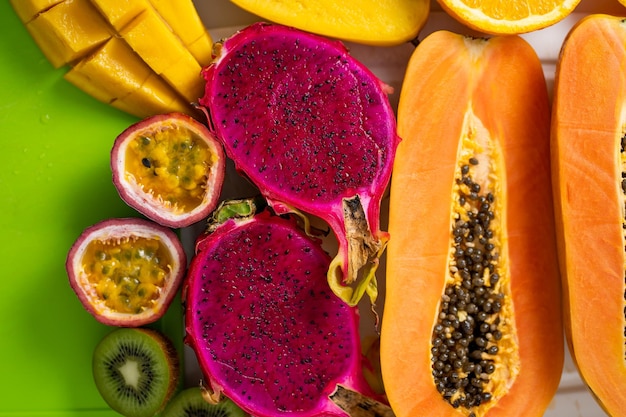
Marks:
<point>371,22</point>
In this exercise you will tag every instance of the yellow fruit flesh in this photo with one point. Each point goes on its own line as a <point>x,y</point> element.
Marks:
<point>115,67</point>
<point>128,274</point>
<point>154,97</point>
<point>119,13</point>
<point>27,9</point>
<point>171,165</point>
<point>115,75</point>
<point>376,22</point>
<point>183,19</point>
<point>202,49</point>
<point>150,37</point>
<point>68,31</point>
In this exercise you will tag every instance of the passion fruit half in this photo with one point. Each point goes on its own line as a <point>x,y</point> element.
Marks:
<point>126,271</point>
<point>170,168</point>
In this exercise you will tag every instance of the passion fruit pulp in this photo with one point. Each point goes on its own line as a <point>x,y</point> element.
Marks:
<point>170,168</point>
<point>126,271</point>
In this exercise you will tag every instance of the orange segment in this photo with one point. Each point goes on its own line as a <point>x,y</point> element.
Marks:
<point>508,16</point>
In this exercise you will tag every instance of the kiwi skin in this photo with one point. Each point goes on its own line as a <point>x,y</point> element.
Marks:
<point>191,403</point>
<point>157,363</point>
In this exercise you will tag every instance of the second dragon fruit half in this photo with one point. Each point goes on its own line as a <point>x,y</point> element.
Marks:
<point>267,330</point>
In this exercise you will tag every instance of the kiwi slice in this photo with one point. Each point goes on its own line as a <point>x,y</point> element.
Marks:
<point>136,371</point>
<point>191,403</point>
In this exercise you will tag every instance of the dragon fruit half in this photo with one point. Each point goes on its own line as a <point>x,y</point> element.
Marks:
<point>313,129</point>
<point>267,330</point>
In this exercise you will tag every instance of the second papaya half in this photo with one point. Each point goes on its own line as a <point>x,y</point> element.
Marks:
<point>589,171</point>
<point>472,323</point>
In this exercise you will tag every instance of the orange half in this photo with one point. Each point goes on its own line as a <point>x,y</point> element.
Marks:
<point>508,16</point>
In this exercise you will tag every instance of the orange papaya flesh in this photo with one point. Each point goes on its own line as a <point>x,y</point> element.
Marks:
<point>474,117</point>
<point>589,167</point>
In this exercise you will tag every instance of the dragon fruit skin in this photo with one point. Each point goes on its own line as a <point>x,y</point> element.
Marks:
<point>266,329</point>
<point>313,129</point>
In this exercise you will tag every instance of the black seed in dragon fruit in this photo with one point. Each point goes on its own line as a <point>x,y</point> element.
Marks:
<point>313,129</point>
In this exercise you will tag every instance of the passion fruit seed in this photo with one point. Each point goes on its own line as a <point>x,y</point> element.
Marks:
<point>127,273</point>
<point>473,346</point>
<point>170,164</point>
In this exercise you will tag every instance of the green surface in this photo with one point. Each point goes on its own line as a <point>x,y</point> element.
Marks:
<point>54,181</point>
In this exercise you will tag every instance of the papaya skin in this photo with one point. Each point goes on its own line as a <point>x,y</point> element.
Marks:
<point>587,126</point>
<point>502,82</point>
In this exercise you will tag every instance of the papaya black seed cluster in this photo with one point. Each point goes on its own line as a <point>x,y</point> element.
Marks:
<point>466,335</point>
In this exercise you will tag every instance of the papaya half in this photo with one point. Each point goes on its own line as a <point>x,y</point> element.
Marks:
<point>589,172</point>
<point>472,322</point>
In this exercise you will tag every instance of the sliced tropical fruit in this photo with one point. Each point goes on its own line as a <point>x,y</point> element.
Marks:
<point>508,17</point>
<point>68,31</point>
<point>183,19</point>
<point>373,22</point>
<point>115,75</point>
<point>154,97</point>
<point>202,49</point>
<point>164,53</point>
<point>28,9</point>
<point>141,56</point>
<point>119,13</point>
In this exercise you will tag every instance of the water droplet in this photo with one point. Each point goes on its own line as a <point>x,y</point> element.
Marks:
<point>45,118</point>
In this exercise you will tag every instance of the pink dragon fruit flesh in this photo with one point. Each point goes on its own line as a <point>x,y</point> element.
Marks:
<point>313,129</point>
<point>267,330</point>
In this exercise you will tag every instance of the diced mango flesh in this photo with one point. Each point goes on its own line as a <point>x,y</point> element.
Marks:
<point>27,9</point>
<point>202,49</point>
<point>171,164</point>
<point>154,97</point>
<point>116,67</point>
<point>119,13</point>
<point>150,37</point>
<point>159,69</point>
<point>68,31</point>
<point>115,75</point>
<point>128,274</point>
<point>182,18</point>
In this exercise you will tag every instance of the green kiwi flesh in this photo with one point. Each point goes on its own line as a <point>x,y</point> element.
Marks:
<point>136,371</point>
<point>191,403</point>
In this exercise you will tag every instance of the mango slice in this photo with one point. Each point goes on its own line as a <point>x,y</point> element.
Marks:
<point>202,49</point>
<point>119,13</point>
<point>164,53</point>
<point>115,75</point>
<point>154,97</point>
<point>27,9</point>
<point>183,19</point>
<point>373,22</point>
<point>141,56</point>
<point>68,31</point>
